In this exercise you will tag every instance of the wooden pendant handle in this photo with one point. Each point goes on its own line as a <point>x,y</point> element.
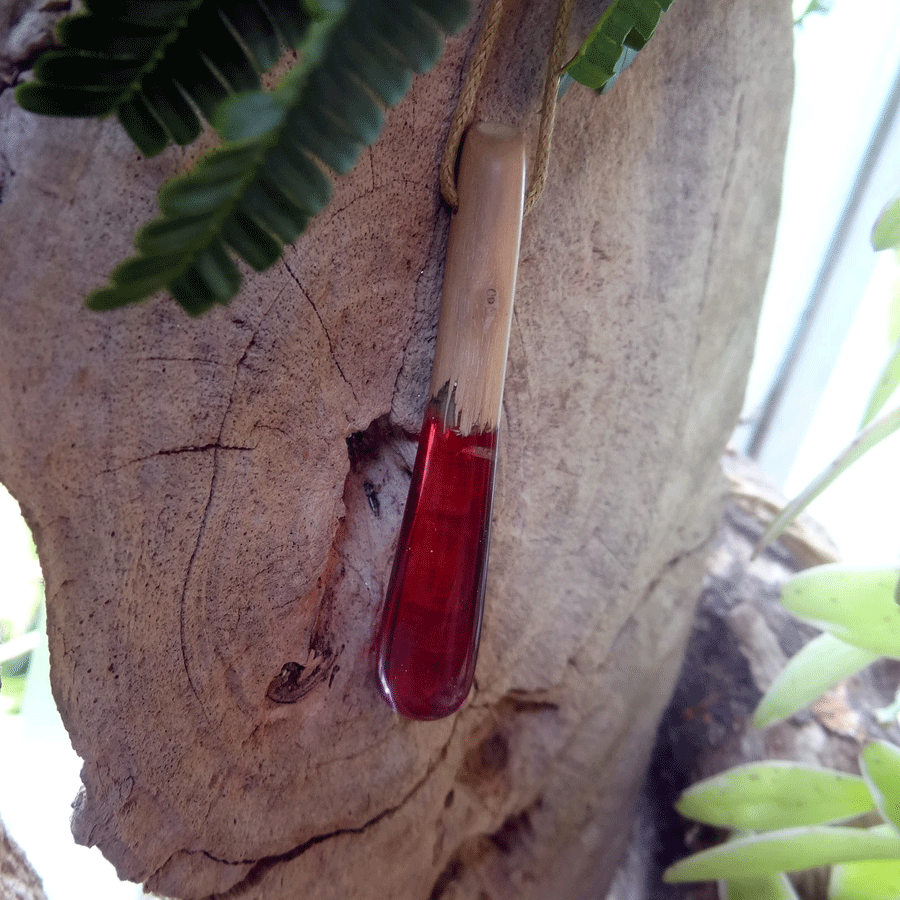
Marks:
<point>480,279</point>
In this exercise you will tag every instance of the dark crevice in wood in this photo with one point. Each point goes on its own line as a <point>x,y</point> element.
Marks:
<point>262,867</point>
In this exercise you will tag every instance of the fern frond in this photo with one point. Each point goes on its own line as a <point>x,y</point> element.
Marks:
<point>624,28</point>
<point>152,62</point>
<point>261,188</point>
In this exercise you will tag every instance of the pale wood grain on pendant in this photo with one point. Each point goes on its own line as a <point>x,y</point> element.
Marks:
<point>480,279</point>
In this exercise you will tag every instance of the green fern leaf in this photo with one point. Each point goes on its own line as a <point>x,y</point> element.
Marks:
<point>154,62</point>
<point>622,31</point>
<point>261,188</point>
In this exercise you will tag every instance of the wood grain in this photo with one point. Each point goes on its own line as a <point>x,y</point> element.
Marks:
<point>480,279</point>
<point>201,523</point>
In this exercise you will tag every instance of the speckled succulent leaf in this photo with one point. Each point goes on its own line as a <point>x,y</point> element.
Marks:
<point>880,763</point>
<point>814,669</point>
<point>763,887</point>
<point>886,233</point>
<point>887,383</point>
<point>871,879</point>
<point>856,604</point>
<point>771,795</point>
<point>788,850</point>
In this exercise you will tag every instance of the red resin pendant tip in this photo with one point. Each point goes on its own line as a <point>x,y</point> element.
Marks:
<point>428,640</point>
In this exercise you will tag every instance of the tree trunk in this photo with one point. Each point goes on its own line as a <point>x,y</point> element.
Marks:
<point>213,499</point>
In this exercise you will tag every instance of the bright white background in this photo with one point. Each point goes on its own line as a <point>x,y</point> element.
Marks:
<point>846,62</point>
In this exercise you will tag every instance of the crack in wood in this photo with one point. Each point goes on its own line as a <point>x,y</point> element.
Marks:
<point>173,451</point>
<point>525,701</point>
<point>308,299</point>
<point>193,359</point>
<point>332,214</point>
<point>187,579</point>
<point>262,866</point>
<point>727,182</point>
<point>201,531</point>
<point>648,592</point>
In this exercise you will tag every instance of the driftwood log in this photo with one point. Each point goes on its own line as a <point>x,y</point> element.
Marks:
<point>215,502</point>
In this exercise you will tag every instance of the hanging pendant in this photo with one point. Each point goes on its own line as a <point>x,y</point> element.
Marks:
<point>428,639</point>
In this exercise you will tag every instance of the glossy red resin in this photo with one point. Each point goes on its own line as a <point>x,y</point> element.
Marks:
<point>428,640</point>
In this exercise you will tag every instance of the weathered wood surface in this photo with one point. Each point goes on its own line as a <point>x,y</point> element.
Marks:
<point>18,880</point>
<point>200,523</point>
